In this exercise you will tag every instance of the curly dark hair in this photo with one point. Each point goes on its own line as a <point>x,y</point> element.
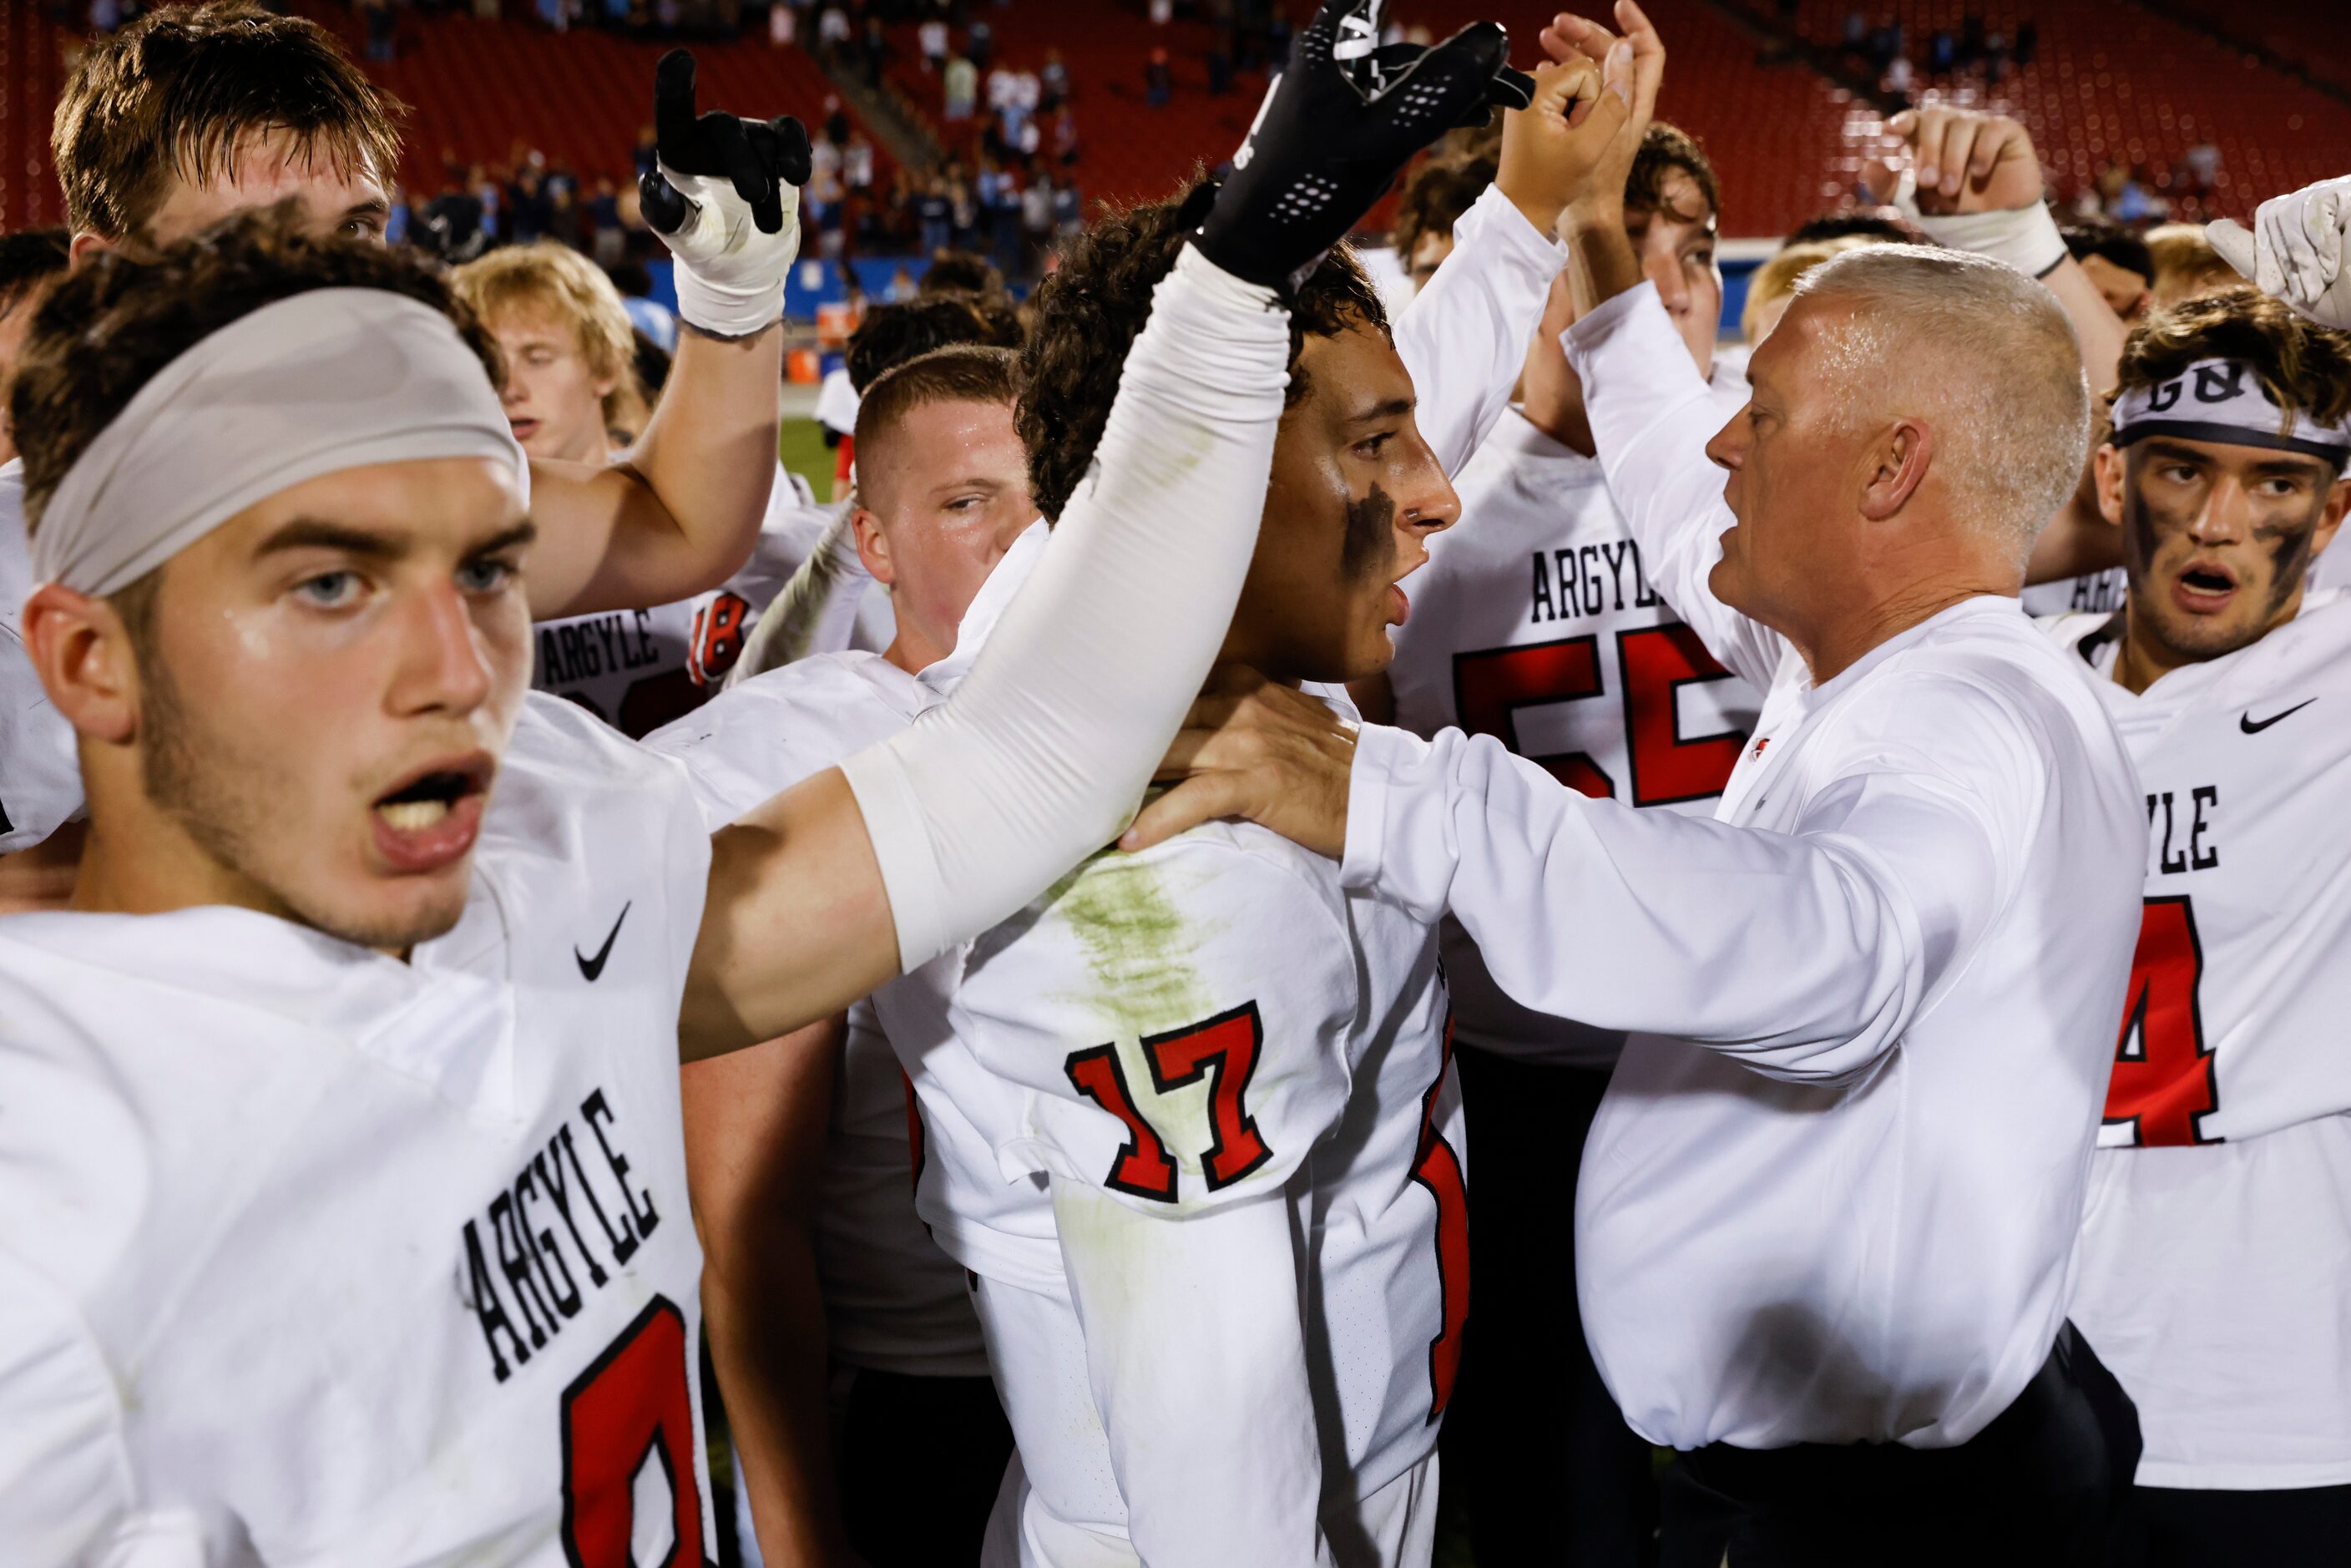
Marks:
<point>1665,148</point>
<point>104,333</point>
<point>894,334</point>
<point>2305,369</point>
<point>1089,310</point>
<point>1435,196</point>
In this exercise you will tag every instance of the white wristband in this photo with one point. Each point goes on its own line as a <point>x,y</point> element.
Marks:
<point>726,310</point>
<point>2026,238</point>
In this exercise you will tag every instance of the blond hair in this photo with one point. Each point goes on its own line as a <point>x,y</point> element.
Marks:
<point>2186,264</point>
<point>1776,279</point>
<point>554,279</point>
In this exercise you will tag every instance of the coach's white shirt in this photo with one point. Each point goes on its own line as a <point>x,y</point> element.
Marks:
<point>1833,1191</point>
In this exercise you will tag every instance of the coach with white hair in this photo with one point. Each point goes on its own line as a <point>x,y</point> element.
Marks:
<point>1828,1207</point>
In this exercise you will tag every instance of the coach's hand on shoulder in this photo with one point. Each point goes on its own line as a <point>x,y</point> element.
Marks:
<point>1259,752</point>
<point>723,196</point>
<point>1594,153</point>
<point>1962,161</point>
<point>1332,132</point>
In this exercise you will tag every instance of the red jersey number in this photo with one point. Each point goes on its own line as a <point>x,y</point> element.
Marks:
<point>1439,1169</point>
<point>1668,767</point>
<point>1224,1050</point>
<point>2162,1085</point>
<point>630,1409</point>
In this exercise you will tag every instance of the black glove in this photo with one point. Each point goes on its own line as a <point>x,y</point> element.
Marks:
<point>1326,147</point>
<point>755,155</point>
<point>1510,88</point>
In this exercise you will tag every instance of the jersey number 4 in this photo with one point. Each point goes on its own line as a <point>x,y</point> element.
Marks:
<point>1490,687</point>
<point>1224,1051</point>
<point>2162,1085</point>
<point>630,1409</point>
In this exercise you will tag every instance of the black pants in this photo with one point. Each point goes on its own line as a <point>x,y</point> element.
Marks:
<point>2168,1527</point>
<point>920,1460</point>
<point>1534,1447</point>
<point>2044,1484</point>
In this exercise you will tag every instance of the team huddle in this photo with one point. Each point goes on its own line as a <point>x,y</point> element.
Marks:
<point>508,888</point>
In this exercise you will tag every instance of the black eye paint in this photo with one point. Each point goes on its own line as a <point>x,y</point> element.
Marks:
<point>1369,544</point>
<point>2138,525</point>
<point>2290,552</point>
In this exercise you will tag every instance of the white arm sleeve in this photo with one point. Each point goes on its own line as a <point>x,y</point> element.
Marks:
<point>1465,337</point>
<point>1651,418</point>
<point>1804,955</point>
<point>1196,1353</point>
<point>1044,751</point>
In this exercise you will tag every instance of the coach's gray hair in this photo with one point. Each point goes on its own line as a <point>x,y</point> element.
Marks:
<point>1984,355</point>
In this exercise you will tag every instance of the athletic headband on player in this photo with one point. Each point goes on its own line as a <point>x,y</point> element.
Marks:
<point>2222,400</point>
<point>328,379</point>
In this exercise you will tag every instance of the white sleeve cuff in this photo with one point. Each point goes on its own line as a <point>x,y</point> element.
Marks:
<point>1636,320</point>
<point>1380,749</point>
<point>901,847</point>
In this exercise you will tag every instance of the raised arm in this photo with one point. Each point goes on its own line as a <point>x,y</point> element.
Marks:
<point>1650,410</point>
<point>683,513</point>
<point>1973,183</point>
<point>1045,749</point>
<point>1464,336</point>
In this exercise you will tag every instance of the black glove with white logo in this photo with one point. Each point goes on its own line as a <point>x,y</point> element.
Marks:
<point>1333,132</point>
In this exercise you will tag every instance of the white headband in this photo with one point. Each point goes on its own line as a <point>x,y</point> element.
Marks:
<point>325,380</point>
<point>2223,401</point>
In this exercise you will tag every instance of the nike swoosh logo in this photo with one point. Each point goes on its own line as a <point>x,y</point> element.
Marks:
<point>2252,725</point>
<point>591,968</point>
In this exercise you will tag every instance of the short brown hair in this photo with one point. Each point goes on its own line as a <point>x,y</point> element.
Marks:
<point>1091,309</point>
<point>893,334</point>
<point>2305,369</point>
<point>1665,148</point>
<point>107,329</point>
<point>2186,264</point>
<point>177,93</point>
<point>961,372</point>
<point>1435,197</point>
<point>553,278</point>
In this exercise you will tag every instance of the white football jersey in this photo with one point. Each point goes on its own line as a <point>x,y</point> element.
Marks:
<point>2093,592</point>
<point>893,1301</point>
<point>315,1257</point>
<point>40,773</point>
<point>1534,623</point>
<point>1204,1023</point>
<point>639,669</point>
<point>2217,1231</point>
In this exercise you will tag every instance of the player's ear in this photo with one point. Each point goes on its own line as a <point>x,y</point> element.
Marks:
<point>86,247</point>
<point>82,649</point>
<point>2107,463</point>
<point>873,547</point>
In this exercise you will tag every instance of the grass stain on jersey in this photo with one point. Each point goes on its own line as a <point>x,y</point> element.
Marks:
<point>1137,943</point>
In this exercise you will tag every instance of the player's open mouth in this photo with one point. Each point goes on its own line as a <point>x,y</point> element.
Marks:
<point>432,818</point>
<point>524,429</point>
<point>1399,606</point>
<point>2203,587</point>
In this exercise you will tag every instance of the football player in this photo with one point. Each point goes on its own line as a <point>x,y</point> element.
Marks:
<point>570,354</point>
<point>193,113</point>
<point>338,1008</point>
<point>2217,1233</point>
